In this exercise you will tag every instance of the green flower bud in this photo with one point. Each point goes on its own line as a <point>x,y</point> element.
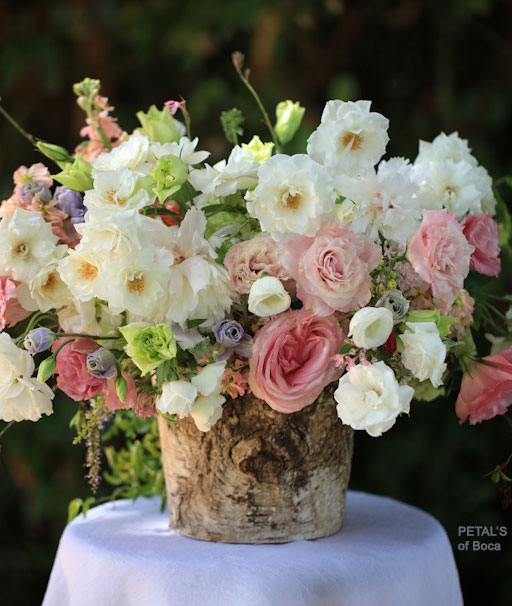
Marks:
<point>149,345</point>
<point>76,176</point>
<point>158,125</point>
<point>58,154</point>
<point>46,369</point>
<point>443,323</point>
<point>121,388</point>
<point>289,117</point>
<point>424,391</point>
<point>260,151</point>
<point>86,91</point>
<point>169,174</point>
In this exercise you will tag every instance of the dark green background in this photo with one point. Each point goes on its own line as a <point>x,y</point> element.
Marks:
<point>428,66</point>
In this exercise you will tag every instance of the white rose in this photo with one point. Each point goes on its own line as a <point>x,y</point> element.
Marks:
<point>369,397</point>
<point>371,327</point>
<point>185,149</point>
<point>116,190</point>
<point>268,297</point>
<point>206,411</point>
<point>424,352</point>
<point>81,270</point>
<point>14,362</point>
<point>177,398</point>
<point>208,379</point>
<point>44,291</point>
<point>132,154</point>
<point>25,400</point>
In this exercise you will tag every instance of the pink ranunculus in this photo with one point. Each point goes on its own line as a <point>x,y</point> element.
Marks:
<point>11,311</point>
<point>487,390</point>
<point>246,261</point>
<point>483,234</point>
<point>332,269</point>
<point>440,253</point>
<point>73,378</point>
<point>292,359</point>
<point>112,400</point>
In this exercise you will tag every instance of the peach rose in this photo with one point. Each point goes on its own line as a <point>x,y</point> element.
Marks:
<point>440,253</point>
<point>332,270</point>
<point>11,311</point>
<point>483,234</point>
<point>292,359</point>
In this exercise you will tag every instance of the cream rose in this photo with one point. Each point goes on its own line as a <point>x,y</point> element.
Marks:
<point>371,326</point>
<point>177,398</point>
<point>424,352</point>
<point>268,297</point>
<point>206,411</point>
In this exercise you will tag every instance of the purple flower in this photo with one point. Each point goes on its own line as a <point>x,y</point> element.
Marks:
<point>70,202</point>
<point>38,340</point>
<point>101,364</point>
<point>29,190</point>
<point>231,336</point>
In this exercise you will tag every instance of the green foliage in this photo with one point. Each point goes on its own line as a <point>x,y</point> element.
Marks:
<point>231,121</point>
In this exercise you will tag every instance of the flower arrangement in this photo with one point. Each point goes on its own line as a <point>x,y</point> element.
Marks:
<point>140,276</point>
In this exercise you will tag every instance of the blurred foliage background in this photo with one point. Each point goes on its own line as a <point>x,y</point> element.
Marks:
<point>428,66</point>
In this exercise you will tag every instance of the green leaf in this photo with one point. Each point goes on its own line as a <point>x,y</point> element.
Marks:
<point>231,121</point>
<point>346,348</point>
<point>74,508</point>
<point>195,322</point>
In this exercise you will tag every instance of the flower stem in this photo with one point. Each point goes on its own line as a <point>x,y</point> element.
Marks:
<point>17,126</point>
<point>79,334</point>
<point>6,427</point>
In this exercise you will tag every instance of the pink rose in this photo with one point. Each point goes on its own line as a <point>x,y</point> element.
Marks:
<point>112,400</point>
<point>292,359</point>
<point>440,253</point>
<point>332,270</point>
<point>483,234</point>
<point>246,261</point>
<point>487,390</point>
<point>73,378</point>
<point>11,311</point>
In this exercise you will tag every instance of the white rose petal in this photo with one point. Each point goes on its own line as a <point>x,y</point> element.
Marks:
<point>177,398</point>
<point>45,291</point>
<point>268,297</point>
<point>206,411</point>
<point>25,400</point>
<point>369,397</point>
<point>208,379</point>
<point>14,362</point>
<point>131,154</point>
<point>371,327</point>
<point>424,352</point>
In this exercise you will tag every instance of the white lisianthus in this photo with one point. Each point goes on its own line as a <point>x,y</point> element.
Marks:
<point>185,149</point>
<point>350,137</point>
<point>268,297</point>
<point>177,398</point>
<point>381,202</point>
<point>45,291</point>
<point>208,379</point>
<point>131,154</point>
<point>116,190</point>
<point>294,195</point>
<point>424,353</point>
<point>206,411</point>
<point>22,397</point>
<point>225,177</point>
<point>81,270</point>
<point>27,243</point>
<point>369,397</point>
<point>371,327</point>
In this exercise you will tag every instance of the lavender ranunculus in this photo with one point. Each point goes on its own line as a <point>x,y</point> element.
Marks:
<point>29,190</point>
<point>70,202</point>
<point>101,364</point>
<point>38,340</point>
<point>231,336</point>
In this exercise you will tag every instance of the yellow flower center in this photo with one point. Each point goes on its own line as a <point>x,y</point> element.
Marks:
<point>87,271</point>
<point>351,140</point>
<point>51,283</point>
<point>136,285</point>
<point>291,199</point>
<point>112,198</point>
<point>22,250</point>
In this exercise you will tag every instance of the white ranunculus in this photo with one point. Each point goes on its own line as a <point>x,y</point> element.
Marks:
<point>177,398</point>
<point>81,271</point>
<point>185,149</point>
<point>208,379</point>
<point>116,190</point>
<point>268,297</point>
<point>14,362</point>
<point>294,194</point>
<point>350,137</point>
<point>206,411</point>
<point>371,327</point>
<point>45,291</point>
<point>25,400</point>
<point>369,397</point>
<point>424,352</point>
<point>131,154</point>
<point>27,243</point>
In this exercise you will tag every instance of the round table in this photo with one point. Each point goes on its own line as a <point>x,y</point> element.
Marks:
<point>124,554</point>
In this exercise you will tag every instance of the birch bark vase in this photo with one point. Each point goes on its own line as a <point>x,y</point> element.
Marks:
<point>258,476</point>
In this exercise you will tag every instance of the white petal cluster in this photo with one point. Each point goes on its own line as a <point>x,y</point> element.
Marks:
<point>132,154</point>
<point>381,201</point>
<point>294,194</point>
<point>350,137</point>
<point>268,297</point>
<point>369,397</point>
<point>200,398</point>
<point>116,190</point>
<point>22,397</point>
<point>424,353</point>
<point>450,177</point>
<point>371,326</point>
<point>185,149</point>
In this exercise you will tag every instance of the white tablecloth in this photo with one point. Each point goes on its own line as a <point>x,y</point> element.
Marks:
<point>124,554</point>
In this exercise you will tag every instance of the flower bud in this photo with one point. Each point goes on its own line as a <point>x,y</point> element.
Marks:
<point>395,301</point>
<point>46,369</point>
<point>101,363</point>
<point>158,125</point>
<point>31,189</point>
<point>76,176</point>
<point>58,154</point>
<point>70,202</point>
<point>121,388</point>
<point>38,340</point>
<point>258,150</point>
<point>371,327</point>
<point>289,117</point>
<point>268,297</point>
<point>169,173</point>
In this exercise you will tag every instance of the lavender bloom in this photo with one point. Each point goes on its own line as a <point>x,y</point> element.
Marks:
<point>29,190</point>
<point>101,363</point>
<point>395,301</point>
<point>70,202</point>
<point>38,340</point>
<point>231,336</point>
